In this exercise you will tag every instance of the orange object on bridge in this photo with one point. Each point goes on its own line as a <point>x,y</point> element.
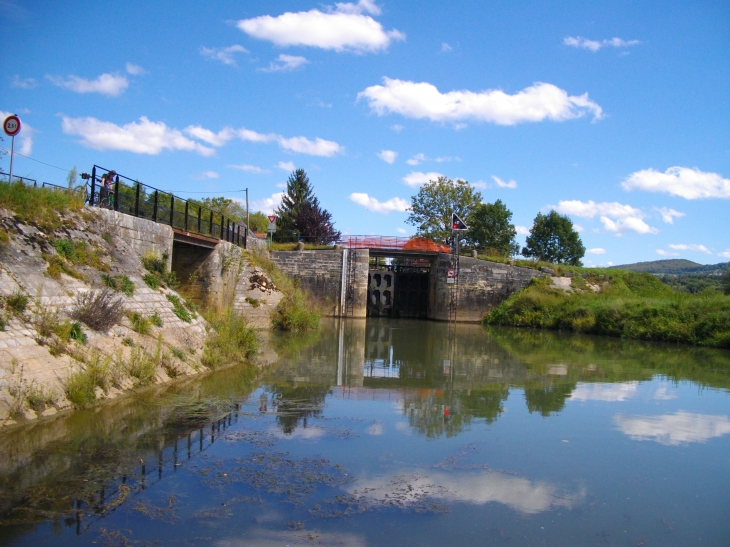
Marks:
<point>395,243</point>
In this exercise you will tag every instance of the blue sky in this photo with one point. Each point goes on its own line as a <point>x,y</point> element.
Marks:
<point>615,113</point>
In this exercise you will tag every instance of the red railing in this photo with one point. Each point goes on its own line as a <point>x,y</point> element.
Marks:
<point>393,243</point>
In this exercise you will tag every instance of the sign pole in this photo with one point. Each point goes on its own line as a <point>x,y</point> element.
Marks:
<point>12,152</point>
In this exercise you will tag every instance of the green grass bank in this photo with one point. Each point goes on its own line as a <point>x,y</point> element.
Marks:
<point>629,305</point>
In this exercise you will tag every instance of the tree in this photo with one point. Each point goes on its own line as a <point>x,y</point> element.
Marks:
<point>301,215</point>
<point>432,207</point>
<point>726,282</point>
<point>553,239</point>
<point>490,229</point>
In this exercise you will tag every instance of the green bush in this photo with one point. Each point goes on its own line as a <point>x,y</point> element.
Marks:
<point>157,267</point>
<point>16,302</point>
<point>231,342</point>
<point>151,280</point>
<point>120,283</point>
<point>141,366</point>
<point>79,386</point>
<point>156,320</point>
<point>294,313</point>
<point>140,323</point>
<point>179,309</point>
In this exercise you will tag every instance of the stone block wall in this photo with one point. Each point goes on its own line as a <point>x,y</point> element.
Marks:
<point>139,234</point>
<point>482,285</point>
<point>320,274</point>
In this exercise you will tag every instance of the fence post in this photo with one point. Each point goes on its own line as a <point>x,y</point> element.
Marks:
<point>245,237</point>
<point>116,193</point>
<point>154,208</point>
<point>200,211</point>
<point>136,202</point>
<point>228,230</point>
<point>172,209</point>
<point>211,222</point>
<point>186,216</point>
<point>93,186</point>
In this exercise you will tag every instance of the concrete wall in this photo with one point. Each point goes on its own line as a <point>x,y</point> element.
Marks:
<point>320,274</point>
<point>482,285</point>
<point>139,234</point>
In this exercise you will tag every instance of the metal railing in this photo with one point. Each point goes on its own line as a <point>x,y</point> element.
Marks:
<point>140,200</point>
<point>5,177</point>
<point>393,243</point>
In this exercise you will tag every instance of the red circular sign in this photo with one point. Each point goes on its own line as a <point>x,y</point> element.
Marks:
<point>11,125</point>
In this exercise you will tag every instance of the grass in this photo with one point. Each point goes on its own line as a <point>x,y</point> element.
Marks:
<point>140,323</point>
<point>39,206</point>
<point>80,253</point>
<point>156,265</point>
<point>231,341</point>
<point>179,308</point>
<point>294,313</point>
<point>141,366</point>
<point>631,305</point>
<point>151,280</point>
<point>120,283</point>
<point>80,385</point>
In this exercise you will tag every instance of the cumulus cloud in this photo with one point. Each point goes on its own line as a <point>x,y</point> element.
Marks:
<point>388,156</point>
<point>287,166</point>
<point>724,254</point>
<point>401,230</point>
<point>225,54</point>
<point>134,70</point>
<point>267,205</point>
<point>106,84</point>
<point>662,252</point>
<point>595,45</point>
<point>668,215</point>
<point>248,168</point>
<point>372,204</point>
<point>342,28</point>
<point>674,429</point>
<point>501,184</point>
<point>206,135</point>
<point>691,247</point>
<point>605,392</point>
<point>23,83</point>
<point>418,158</point>
<point>684,182</point>
<point>317,147</point>
<point>596,251</point>
<point>616,217</point>
<point>522,230</point>
<point>207,175</point>
<point>417,178</point>
<point>285,63</point>
<point>420,100</point>
<point>140,137</point>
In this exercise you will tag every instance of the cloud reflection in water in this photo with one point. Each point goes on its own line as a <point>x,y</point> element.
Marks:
<point>674,429</point>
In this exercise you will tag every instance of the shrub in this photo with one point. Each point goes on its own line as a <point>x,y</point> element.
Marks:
<point>140,323</point>
<point>156,320</point>
<point>16,302</point>
<point>232,341</point>
<point>120,283</point>
<point>157,267</point>
<point>140,366</point>
<point>151,280</point>
<point>98,309</point>
<point>79,386</point>
<point>178,308</point>
<point>39,397</point>
<point>255,302</point>
<point>293,313</point>
<point>80,253</point>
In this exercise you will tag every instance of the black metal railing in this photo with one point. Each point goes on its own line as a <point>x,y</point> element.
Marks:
<point>140,200</point>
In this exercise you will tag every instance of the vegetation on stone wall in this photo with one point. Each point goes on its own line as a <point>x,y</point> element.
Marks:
<point>629,305</point>
<point>230,342</point>
<point>39,205</point>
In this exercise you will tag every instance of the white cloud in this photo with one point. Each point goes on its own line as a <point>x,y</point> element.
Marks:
<point>25,137</point>
<point>502,184</point>
<point>680,181</point>
<point>662,252</point>
<point>318,147</point>
<point>253,136</point>
<point>446,47</point>
<point>423,100</point>
<point>616,217</point>
<point>724,254</point>
<point>416,178</point>
<point>628,224</point>
<point>207,175</point>
<point>344,28</point>
<point>388,156</point>
<point>248,168</point>
<point>206,135</point>
<point>142,137</point>
<point>397,128</point>
<point>674,429</point>
<point>595,45</point>
<point>287,166</point>
<point>401,230</point>
<point>442,159</point>
<point>267,205</point>
<point>385,207</point>
<point>692,247</point>
<point>225,54</point>
<point>605,392</point>
<point>668,215</point>
<point>27,83</point>
<point>285,63</point>
<point>522,230</point>
<point>134,70</point>
<point>578,228</point>
<point>418,158</point>
<point>596,251</point>
<point>106,84</point>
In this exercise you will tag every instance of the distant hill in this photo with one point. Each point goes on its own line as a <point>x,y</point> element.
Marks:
<point>677,266</point>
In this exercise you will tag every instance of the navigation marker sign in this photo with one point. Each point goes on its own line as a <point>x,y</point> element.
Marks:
<point>457,224</point>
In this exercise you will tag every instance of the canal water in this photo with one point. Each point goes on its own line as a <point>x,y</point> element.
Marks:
<point>394,432</point>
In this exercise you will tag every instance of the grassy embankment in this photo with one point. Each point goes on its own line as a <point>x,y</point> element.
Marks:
<point>629,305</point>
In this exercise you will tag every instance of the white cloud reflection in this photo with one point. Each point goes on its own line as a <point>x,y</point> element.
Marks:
<point>604,392</point>
<point>674,429</point>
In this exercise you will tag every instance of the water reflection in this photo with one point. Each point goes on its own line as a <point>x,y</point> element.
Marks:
<point>674,429</point>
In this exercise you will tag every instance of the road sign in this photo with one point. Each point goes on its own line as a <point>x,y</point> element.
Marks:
<point>450,276</point>
<point>11,125</point>
<point>457,224</point>
<point>272,223</point>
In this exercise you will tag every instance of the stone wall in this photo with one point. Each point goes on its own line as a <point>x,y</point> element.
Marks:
<point>319,273</point>
<point>482,285</point>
